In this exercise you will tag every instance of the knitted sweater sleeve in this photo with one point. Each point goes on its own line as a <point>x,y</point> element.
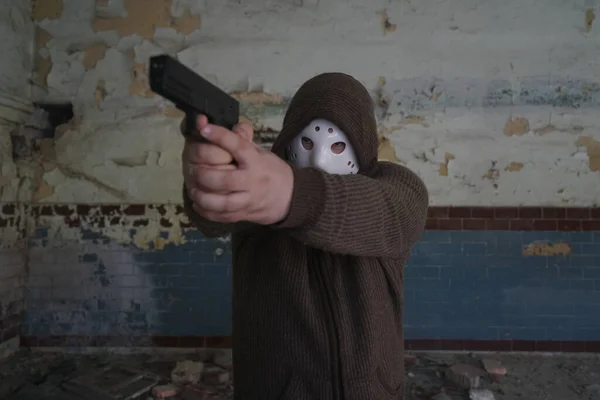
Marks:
<point>380,216</point>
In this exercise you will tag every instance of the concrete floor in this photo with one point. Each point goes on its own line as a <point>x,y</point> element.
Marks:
<point>49,376</point>
<point>528,377</point>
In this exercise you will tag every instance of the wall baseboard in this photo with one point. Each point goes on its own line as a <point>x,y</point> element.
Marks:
<point>224,342</point>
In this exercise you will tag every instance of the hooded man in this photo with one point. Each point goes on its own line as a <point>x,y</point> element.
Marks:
<point>319,243</point>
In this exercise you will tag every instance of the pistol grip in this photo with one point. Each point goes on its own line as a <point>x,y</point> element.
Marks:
<point>190,128</point>
<point>190,132</point>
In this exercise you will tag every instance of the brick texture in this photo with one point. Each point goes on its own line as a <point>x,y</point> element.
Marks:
<point>486,285</point>
<point>12,272</point>
<point>514,219</point>
<point>479,279</point>
<point>12,276</point>
<point>96,287</point>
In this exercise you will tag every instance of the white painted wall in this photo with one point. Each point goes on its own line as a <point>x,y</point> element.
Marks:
<point>16,47</point>
<point>475,96</point>
<point>16,31</point>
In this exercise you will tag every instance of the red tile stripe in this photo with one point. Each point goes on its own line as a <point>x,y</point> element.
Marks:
<point>513,219</point>
<point>225,342</point>
<point>439,218</point>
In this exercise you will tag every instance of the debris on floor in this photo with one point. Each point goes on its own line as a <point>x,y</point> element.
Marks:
<point>62,376</point>
<point>493,367</point>
<point>165,391</point>
<point>446,376</point>
<point>481,394</point>
<point>208,376</point>
<point>464,376</point>
<point>111,382</point>
<point>187,372</point>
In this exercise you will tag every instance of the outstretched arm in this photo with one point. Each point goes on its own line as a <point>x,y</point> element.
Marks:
<point>380,216</point>
<point>374,216</point>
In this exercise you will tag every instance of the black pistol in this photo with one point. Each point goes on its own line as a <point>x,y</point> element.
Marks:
<point>192,94</point>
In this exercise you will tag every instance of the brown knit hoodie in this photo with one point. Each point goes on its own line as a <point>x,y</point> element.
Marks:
<point>318,298</point>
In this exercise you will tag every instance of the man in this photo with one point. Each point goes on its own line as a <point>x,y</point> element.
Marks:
<point>321,230</point>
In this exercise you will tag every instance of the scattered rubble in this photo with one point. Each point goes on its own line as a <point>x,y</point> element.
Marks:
<point>409,360</point>
<point>62,376</point>
<point>493,367</point>
<point>441,396</point>
<point>224,360</point>
<point>165,391</point>
<point>481,394</point>
<point>215,376</point>
<point>187,372</point>
<point>594,387</point>
<point>111,382</point>
<point>208,376</point>
<point>464,376</point>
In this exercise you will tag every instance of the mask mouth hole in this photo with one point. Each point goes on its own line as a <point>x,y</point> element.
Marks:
<point>307,143</point>
<point>338,147</point>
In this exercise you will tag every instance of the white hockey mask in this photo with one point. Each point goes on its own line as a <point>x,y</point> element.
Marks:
<point>324,146</point>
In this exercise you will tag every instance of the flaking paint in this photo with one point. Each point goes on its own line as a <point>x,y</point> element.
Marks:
<point>493,86</point>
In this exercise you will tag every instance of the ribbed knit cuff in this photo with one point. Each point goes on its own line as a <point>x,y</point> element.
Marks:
<point>308,199</point>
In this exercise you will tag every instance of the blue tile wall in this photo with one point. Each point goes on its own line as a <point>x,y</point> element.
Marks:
<point>458,285</point>
<point>101,288</point>
<point>479,285</point>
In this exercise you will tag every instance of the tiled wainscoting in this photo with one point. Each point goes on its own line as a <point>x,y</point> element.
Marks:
<point>480,279</point>
<point>13,252</point>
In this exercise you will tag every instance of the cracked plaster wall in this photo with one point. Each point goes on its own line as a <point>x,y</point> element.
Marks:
<point>16,31</point>
<point>491,103</point>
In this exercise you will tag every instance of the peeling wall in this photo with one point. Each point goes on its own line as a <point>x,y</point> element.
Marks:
<point>490,103</point>
<point>12,275</point>
<point>127,271</point>
<point>16,46</point>
<point>16,30</point>
<point>97,277</point>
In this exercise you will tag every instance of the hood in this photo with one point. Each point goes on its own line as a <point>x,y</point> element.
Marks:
<point>340,99</point>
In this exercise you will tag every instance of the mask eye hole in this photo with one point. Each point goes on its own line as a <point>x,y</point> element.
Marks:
<point>307,143</point>
<point>338,147</point>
